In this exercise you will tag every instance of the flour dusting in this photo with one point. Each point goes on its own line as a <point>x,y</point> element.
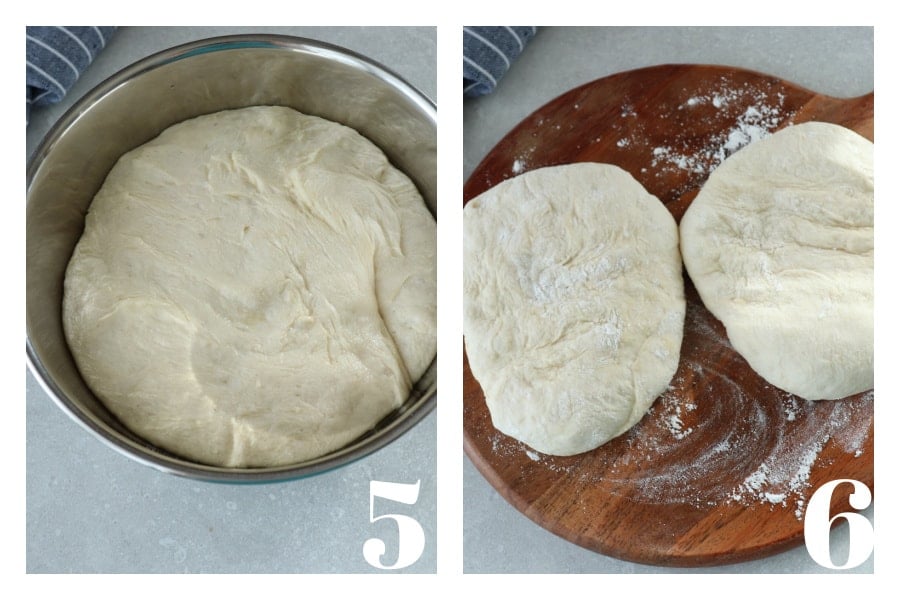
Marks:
<point>705,442</point>
<point>756,122</point>
<point>752,450</point>
<point>751,113</point>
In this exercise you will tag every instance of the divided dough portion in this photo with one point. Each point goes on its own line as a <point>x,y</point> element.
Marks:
<point>253,288</point>
<point>574,304</point>
<point>779,243</point>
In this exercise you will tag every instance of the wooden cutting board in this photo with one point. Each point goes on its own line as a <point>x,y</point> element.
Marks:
<point>722,467</point>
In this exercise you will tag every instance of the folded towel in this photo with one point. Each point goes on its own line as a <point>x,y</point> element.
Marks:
<point>488,53</point>
<point>55,57</point>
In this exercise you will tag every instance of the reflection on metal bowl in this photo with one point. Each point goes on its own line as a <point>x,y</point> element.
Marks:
<point>133,107</point>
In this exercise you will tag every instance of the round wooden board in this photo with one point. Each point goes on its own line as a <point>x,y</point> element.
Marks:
<point>721,468</point>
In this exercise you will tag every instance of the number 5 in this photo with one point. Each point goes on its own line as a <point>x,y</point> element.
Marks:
<point>817,525</point>
<point>411,537</point>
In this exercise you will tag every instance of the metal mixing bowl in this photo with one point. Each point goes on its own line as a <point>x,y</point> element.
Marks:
<point>138,103</point>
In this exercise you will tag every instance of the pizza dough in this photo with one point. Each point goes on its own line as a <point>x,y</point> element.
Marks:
<point>253,288</point>
<point>779,243</point>
<point>574,304</point>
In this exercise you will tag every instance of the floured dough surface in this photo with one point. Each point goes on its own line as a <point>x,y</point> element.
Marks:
<point>779,243</point>
<point>253,288</point>
<point>574,304</point>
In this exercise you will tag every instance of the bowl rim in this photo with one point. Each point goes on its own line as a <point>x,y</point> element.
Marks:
<point>360,448</point>
<point>239,41</point>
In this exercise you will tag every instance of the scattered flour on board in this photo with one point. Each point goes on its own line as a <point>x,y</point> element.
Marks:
<point>767,454</point>
<point>523,159</point>
<point>762,116</point>
<point>518,166</point>
<point>507,447</point>
<point>756,123</point>
<point>762,113</point>
<point>771,465</point>
<point>705,442</point>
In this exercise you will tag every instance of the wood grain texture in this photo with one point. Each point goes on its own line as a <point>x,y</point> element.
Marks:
<point>704,478</point>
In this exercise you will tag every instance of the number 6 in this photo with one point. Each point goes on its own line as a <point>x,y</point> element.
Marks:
<point>817,525</point>
<point>411,536</point>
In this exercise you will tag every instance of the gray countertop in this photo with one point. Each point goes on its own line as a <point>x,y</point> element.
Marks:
<point>91,510</point>
<point>831,60</point>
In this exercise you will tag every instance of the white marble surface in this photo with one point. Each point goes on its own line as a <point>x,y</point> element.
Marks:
<point>833,61</point>
<point>91,510</point>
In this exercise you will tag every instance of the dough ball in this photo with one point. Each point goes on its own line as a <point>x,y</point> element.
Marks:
<point>253,288</point>
<point>779,243</point>
<point>574,304</point>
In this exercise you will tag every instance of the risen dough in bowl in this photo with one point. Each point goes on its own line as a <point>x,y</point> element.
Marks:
<point>254,287</point>
<point>779,243</point>
<point>574,304</point>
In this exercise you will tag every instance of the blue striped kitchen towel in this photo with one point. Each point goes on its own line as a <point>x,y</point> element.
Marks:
<point>488,53</point>
<point>55,57</point>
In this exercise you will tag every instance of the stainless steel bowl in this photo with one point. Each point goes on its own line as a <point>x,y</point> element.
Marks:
<point>138,103</point>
